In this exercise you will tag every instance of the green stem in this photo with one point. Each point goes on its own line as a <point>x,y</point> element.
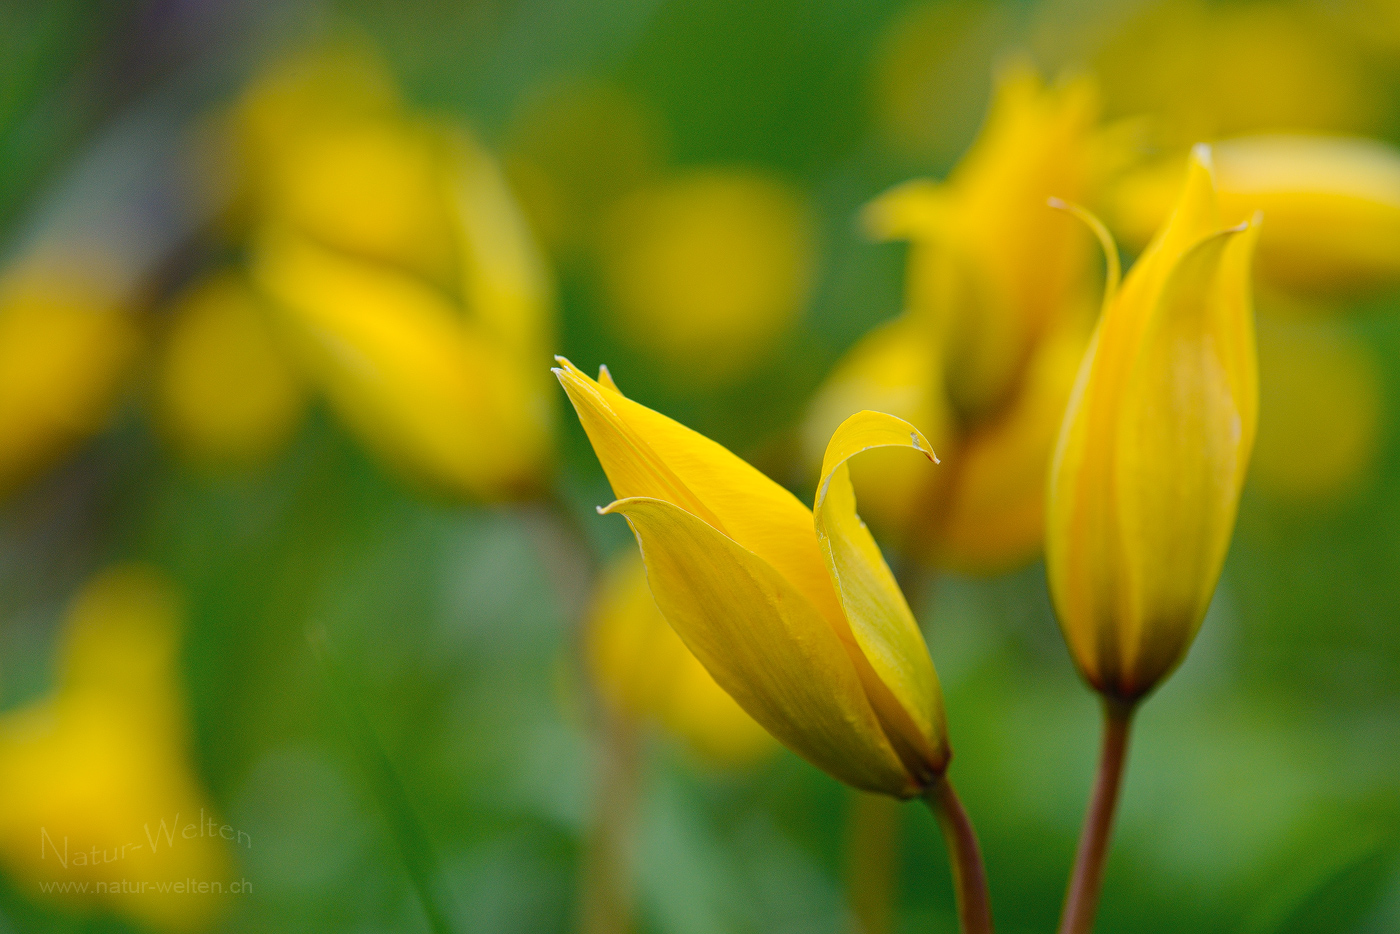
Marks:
<point>872,860</point>
<point>1082,899</point>
<point>415,849</point>
<point>605,891</point>
<point>964,857</point>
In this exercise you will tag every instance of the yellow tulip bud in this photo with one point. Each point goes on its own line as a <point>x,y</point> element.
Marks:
<point>792,611</point>
<point>64,346</point>
<point>228,393</point>
<point>1331,206</point>
<point>643,669</point>
<point>1152,452</point>
<point>708,270</point>
<point>96,788</point>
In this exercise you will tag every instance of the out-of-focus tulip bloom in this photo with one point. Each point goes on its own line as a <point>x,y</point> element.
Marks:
<point>95,785</point>
<point>1332,207</point>
<point>427,388</point>
<point>65,344</point>
<point>793,612</point>
<point>707,270</point>
<point>1320,410</point>
<point>444,383</point>
<point>305,96</point>
<point>643,669</point>
<point>996,317</point>
<point>1206,70</point>
<point>228,393</point>
<point>1147,472</point>
<point>372,188</point>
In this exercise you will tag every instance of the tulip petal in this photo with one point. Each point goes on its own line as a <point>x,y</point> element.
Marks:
<point>1187,424</point>
<point>907,696</point>
<point>644,453</point>
<point>780,660</point>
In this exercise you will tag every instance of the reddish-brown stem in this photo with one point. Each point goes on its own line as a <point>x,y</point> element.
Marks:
<point>1082,899</point>
<point>964,856</point>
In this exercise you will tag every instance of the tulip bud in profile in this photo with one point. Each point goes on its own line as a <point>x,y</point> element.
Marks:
<point>792,611</point>
<point>1152,453</point>
<point>643,670</point>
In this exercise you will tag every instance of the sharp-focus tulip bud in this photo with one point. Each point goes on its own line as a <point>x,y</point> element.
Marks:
<point>1152,452</point>
<point>643,669</point>
<point>228,392</point>
<point>793,611</point>
<point>64,346</point>
<point>95,781</point>
<point>1331,205</point>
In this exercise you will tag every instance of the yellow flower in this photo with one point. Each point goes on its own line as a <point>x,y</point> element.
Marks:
<point>443,385</point>
<point>1332,206</point>
<point>996,316</point>
<point>95,784</point>
<point>793,612</point>
<point>372,188</point>
<point>1152,453</point>
<point>65,344</point>
<point>227,391</point>
<point>1207,70</point>
<point>643,669</point>
<point>707,270</point>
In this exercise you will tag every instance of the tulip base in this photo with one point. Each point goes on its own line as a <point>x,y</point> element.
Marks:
<point>1082,899</point>
<point>964,857</point>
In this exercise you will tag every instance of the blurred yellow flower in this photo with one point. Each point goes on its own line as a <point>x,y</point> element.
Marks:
<point>429,390</point>
<point>227,391</point>
<point>997,307</point>
<point>643,669</point>
<point>372,188</point>
<point>706,271</point>
<point>65,344</point>
<point>1331,206</point>
<point>793,612</point>
<point>1207,70</point>
<point>1320,411</point>
<point>1153,450</point>
<point>302,96</point>
<point>95,783</point>
<point>404,280</point>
